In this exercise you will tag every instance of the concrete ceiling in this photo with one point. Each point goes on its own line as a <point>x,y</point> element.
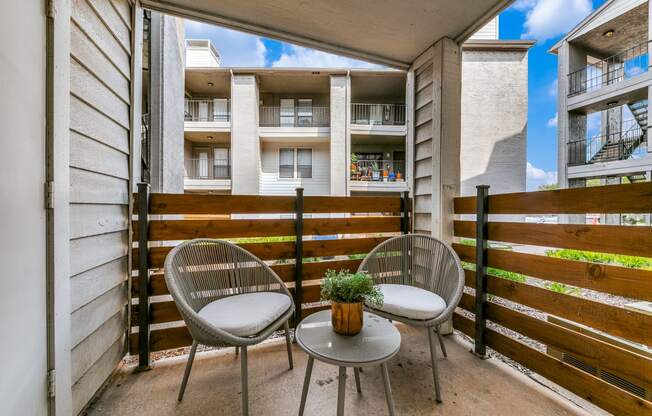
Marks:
<point>386,85</point>
<point>390,32</point>
<point>198,82</point>
<point>630,29</point>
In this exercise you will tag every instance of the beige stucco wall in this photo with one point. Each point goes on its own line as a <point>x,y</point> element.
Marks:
<point>494,120</point>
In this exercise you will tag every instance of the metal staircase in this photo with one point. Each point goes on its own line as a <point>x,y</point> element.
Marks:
<point>621,146</point>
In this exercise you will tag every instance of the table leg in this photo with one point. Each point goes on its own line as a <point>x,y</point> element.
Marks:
<point>306,385</point>
<point>388,389</point>
<point>356,372</point>
<point>341,389</point>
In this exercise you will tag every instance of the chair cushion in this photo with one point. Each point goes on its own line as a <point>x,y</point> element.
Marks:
<point>247,314</point>
<point>411,302</point>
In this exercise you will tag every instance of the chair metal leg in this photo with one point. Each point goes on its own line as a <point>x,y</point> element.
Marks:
<point>288,343</point>
<point>186,374</point>
<point>306,385</point>
<point>441,342</point>
<point>244,381</point>
<point>433,357</point>
<point>341,391</point>
<point>356,373</point>
<point>388,389</point>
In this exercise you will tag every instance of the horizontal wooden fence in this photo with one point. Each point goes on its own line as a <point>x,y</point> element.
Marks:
<point>314,241</point>
<point>608,374</point>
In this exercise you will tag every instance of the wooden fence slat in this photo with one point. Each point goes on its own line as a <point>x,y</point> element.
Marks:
<point>284,250</point>
<point>170,230</point>
<point>351,204</point>
<point>593,389</point>
<point>593,351</point>
<point>609,199</point>
<point>163,339</point>
<point>206,204</point>
<point>617,280</point>
<point>311,271</point>
<point>351,225</point>
<point>615,239</point>
<point>613,320</point>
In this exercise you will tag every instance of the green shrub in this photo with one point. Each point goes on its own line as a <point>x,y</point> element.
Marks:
<point>345,287</point>
<point>562,288</point>
<point>633,262</point>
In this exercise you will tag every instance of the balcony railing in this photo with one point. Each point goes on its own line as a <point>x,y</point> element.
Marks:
<point>378,114</point>
<point>378,170</point>
<point>208,169</point>
<point>606,148</point>
<point>213,109</point>
<point>294,117</point>
<point>611,70</point>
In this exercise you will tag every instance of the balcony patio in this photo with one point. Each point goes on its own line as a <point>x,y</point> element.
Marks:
<point>470,386</point>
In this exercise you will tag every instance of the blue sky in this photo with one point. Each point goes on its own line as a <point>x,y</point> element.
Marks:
<point>542,20</point>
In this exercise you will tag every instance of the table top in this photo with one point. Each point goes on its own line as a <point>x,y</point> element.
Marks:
<point>378,341</point>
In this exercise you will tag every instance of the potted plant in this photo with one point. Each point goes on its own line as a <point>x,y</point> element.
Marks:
<point>347,293</point>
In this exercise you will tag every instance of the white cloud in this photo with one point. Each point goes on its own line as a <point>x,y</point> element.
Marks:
<point>546,19</point>
<point>552,89</point>
<point>537,177</point>
<point>553,121</point>
<point>235,48</point>
<point>298,56</point>
<point>524,4</point>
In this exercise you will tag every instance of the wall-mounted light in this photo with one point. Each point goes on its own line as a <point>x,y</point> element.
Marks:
<point>609,33</point>
<point>210,84</point>
<point>209,137</point>
<point>612,103</point>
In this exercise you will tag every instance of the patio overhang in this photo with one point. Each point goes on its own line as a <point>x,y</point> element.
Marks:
<point>393,33</point>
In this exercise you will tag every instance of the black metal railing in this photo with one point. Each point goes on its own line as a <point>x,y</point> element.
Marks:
<point>378,114</point>
<point>208,109</point>
<point>606,148</point>
<point>611,70</point>
<point>208,169</point>
<point>378,170</point>
<point>294,117</point>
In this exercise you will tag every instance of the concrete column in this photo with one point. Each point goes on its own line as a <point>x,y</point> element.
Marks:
<point>570,126</point>
<point>339,138</point>
<point>446,135</point>
<point>167,78</point>
<point>245,143</point>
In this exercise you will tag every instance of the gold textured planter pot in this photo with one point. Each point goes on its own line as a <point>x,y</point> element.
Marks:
<point>346,318</point>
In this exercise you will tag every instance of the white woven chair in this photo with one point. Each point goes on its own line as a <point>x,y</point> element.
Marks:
<point>227,297</point>
<point>422,280</point>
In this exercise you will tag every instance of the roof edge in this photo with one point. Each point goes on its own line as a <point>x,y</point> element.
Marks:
<point>497,44</point>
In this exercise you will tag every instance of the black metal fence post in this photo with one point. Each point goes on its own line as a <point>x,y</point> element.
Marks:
<point>405,209</point>
<point>143,276</point>
<point>298,258</point>
<point>482,219</point>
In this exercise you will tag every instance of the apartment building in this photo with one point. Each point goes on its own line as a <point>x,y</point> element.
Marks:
<point>344,131</point>
<point>604,85</point>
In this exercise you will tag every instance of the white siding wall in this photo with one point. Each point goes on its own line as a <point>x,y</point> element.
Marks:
<point>200,58</point>
<point>488,31</point>
<point>99,190</point>
<point>271,184</point>
<point>423,145</point>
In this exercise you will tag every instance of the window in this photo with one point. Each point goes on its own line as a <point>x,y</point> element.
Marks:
<point>289,158</point>
<point>304,163</point>
<point>286,163</point>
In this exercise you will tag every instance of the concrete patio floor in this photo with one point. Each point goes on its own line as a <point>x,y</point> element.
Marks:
<point>470,386</point>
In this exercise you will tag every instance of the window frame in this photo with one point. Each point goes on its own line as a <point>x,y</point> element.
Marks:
<point>295,163</point>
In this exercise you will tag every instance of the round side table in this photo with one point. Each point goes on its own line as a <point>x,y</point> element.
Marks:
<point>378,341</point>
